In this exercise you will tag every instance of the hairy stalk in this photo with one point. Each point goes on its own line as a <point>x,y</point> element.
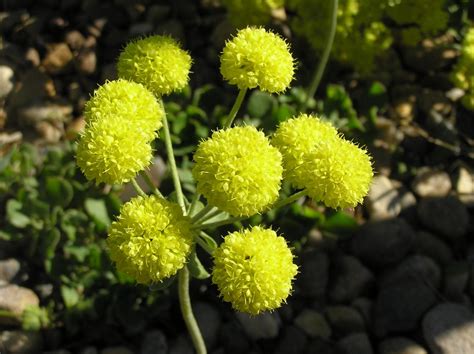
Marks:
<point>138,188</point>
<point>231,220</point>
<point>202,213</point>
<point>183,274</point>
<point>172,162</point>
<point>187,311</point>
<point>194,203</point>
<point>150,184</point>
<point>318,74</point>
<point>204,244</point>
<point>209,216</point>
<point>235,108</point>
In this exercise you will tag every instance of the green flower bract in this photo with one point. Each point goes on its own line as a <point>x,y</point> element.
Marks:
<point>157,62</point>
<point>238,171</point>
<point>128,102</point>
<point>253,270</point>
<point>150,240</point>
<point>257,58</point>
<point>110,152</point>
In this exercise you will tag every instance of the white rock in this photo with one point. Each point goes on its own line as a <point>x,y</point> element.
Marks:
<point>6,81</point>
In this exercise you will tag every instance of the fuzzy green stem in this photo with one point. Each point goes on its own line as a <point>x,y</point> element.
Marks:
<point>194,203</point>
<point>231,220</point>
<point>172,163</point>
<point>202,213</point>
<point>318,74</point>
<point>208,216</point>
<point>150,184</point>
<point>138,188</point>
<point>203,244</point>
<point>235,108</point>
<point>187,312</point>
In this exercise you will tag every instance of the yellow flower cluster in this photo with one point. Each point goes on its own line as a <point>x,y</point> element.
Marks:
<point>238,171</point>
<point>150,240</point>
<point>331,169</point>
<point>121,120</point>
<point>157,62</point>
<point>253,270</point>
<point>463,73</point>
<point>257,58</point>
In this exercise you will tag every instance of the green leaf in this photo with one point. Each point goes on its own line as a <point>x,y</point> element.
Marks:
<point>260,104</point>
<point>339,222</point>
<point>211,243</point>
<point>97,210</point>
<point>59,191</point>
<point>14,214</point>
<point>283,113</point>
<point>196,268</point>
<point>70,296</point>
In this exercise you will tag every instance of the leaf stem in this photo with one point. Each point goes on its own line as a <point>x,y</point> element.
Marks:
<point>235,108</point>
<point>150,184</point>
<point>172,162</point>
<point>202,213</point>
<point>187,312</point>
<point>318,74</point>
<point>138,188</point>
<point>194,203</point>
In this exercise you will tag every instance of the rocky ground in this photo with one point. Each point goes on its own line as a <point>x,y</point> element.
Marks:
<point>402,284</point>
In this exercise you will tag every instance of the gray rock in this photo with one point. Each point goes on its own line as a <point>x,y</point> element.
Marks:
<point>16,299</point>
<point>33,114</point>
<point>116,350</point>
<point>385,200</point>
<point>89,350</point>
<point>313,324</point>
<point>365,308</point>
<point>21,342</point>
<point>417,267</point>
<point>345,320</point>
<point>154,342</point>
<point>456,277</point>
<point>209,322</point>
<point>356,343</point>
<point>431,246</point>
<point>321,346</point>
<point>313,279</point>
<point>9,269</point>
<point>292,341</point>
<point>59,351</point>
<point>447,216</point>
<point>401,305</point>
<point>449,329</point>
<point>351,278</point>
<point>266,325</point>
<point>400,345</point>
<point>432,183</point>
<point>233,338</point>
<point>181,345</point>
<point>383,242</point>
<point>6,81</point>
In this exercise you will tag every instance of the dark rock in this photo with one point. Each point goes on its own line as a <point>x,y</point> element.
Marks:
<point>365,308</point>
<point>447,216</point>
<point>345,320</point>
<point>400,345</point>
<point>182,345</point>
<point>233,339</point>
<point>266,325</point>
<point>449,329</point>
<point>9,270</point>
<point>116,350</point>
<point>313,324</point>
<point>209,322</point>
<point>433,247</point>
<point>399,306</point>
<point>21,342</point>
<point>293,340</point>
<point>357,343</point>
<point>383,242</point>
<point>351,278</point>
<point>154,342</point>
<point>312,281</point>
<point>456,277</point>
<point>321,346</point>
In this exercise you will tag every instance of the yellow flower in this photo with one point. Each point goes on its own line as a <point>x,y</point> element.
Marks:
<point>463,72</point>
<point>157,62</point>
<point>238,171</point>
<point>150,240</point>
<point>110,152</point>
<point>253,270</point>
<point>331,169</point>
<point>255,57</point>
<point>130,103</point>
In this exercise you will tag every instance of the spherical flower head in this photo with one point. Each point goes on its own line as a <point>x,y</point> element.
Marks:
<point>130,102</point>
<point>253,270</point>
<point>238,171</point>
<point>297,138</point>
<point>339,173</point>
<point>157,62</point>
<point>255,57</point>
<point>110,152</point>
<point>150,240</point>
